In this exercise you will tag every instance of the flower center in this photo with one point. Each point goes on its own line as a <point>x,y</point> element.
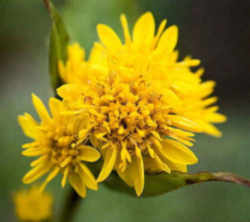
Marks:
<point>64,150</point>
<point>132,114</point>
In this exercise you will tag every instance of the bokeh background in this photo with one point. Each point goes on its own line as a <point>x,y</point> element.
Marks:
<point>217,32</point>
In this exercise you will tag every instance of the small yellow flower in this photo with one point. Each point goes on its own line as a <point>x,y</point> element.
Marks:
<point>143,104</point>
<point>33,205</point>
<point>60,144</point>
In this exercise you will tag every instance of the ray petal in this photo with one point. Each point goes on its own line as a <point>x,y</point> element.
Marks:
<point>139,181</point>
<point>88,153</point>
<point>160,30</point>
<point>176,166</point>
<point>40,108</point>
<point>168,40</point>
<point>134,173</point>
<point>29,125</point>
<point>65,176</point>
<point>77,183</point>
<point>125,28</point>
<point>34,151</point>
<point>177,152</point>
<point>110,155</point>
<point>145,22</point>
<point>55,106</point>
<point>109,37</point>
<point>88,177</point>
<point>50,177</point>
<point>36,173</point>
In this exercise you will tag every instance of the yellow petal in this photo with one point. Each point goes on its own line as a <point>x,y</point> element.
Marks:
<point>55,106</point>
<point>125,172</point>
<point>163,166</point>
<point>144,29</point>
<point>173,57</point>
<point>139,181</point>
<point>188,61</point>
<point>77,183</point>
<point>39,161</point>
<point>29,125</point>
<point>34,151</point>
<point>184,123</point>
<point>151,165</point>
<point>177,152</point>
<point>125,155</point>
<point>108,37</point>
<point>184,141</point>
<point>88,153</point>
<point>160,30</point>
<point>206,88</point>
<point>125,28</point>
<point>200,72</point>
<point>181,136</point>
<point>82,134</point>
<point>172,97</point>
<point>110,155</point>
<point>98,55</point>
<point>65,176</point>
<point>81,127</point>
<point>212,130</point>
<point>126,175</point>
<point>76,53</point>
<point>156,165</point>
<point>95,142</point>
<point>216,118</point>
<point>50,177</point>
<point>134,173</point>
<point>36,173</point>
<point>29,145</point>
<point>151,151</point>
<point>180,133</point>
<point>168,40</point>
<point>88,177</point>
<point>176,166</point>
<point>70,91</point>
<point>66,161</point>
<point>40,109</point>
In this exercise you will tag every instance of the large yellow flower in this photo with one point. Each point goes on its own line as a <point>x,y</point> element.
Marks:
<point>33,205</point>
<point>143,104</point>
<point>60,143</point>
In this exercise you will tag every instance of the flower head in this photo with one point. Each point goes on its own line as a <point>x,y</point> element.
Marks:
<point>143,104</point>
<point>60,144</point>
<point>33,205</point>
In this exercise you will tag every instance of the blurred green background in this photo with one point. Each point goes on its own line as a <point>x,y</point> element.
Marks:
<point>217,32</point>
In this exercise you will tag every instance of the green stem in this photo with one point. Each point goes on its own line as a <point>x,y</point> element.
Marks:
<point>70,207</point>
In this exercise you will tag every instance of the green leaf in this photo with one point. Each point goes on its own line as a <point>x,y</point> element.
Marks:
<point>163,183</point>
<point>59,40</point>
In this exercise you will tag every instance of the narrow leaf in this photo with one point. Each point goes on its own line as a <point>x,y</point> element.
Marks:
<point>163,183</point>
<point>59,40</point>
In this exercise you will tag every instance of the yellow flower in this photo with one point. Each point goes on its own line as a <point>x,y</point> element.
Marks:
<point>143,104</point>
<point>33,205</point>
<point>60,144</point>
